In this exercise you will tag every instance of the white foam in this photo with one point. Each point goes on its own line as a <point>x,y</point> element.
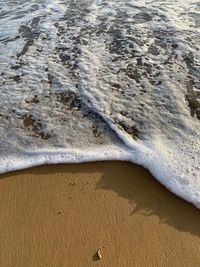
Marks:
<point>96,80</point>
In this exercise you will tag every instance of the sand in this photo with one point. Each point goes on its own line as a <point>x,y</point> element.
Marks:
<point>62,215</point>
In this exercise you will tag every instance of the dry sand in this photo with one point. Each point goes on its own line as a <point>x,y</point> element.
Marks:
<point>62,215</point>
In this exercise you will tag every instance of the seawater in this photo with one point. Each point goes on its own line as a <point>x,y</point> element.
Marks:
<point>94,80</point>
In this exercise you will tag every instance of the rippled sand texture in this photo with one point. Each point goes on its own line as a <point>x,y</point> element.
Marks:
<point>91,80</point>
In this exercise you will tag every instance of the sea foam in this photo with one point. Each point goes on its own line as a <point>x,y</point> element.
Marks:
<point>102,80</point>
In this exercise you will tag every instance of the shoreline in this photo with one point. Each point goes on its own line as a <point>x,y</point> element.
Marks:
<point>61,215</point>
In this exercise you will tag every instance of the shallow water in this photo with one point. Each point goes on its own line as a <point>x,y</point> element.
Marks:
<point>102,80</point>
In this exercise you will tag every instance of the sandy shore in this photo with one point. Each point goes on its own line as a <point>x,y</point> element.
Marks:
<point>61,215</point>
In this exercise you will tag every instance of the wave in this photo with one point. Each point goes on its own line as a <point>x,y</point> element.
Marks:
<point>97,80</point>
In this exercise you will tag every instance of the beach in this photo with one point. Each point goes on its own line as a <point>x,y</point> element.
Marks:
<point>90,89</point>
<point>94,214</point>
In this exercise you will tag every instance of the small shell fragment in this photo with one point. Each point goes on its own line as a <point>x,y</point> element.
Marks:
<point>99,253</point>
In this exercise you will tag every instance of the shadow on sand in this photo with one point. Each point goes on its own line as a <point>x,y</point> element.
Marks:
<point>136,184</point>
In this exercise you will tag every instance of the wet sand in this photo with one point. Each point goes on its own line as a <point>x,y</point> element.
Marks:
<point>61,215</point>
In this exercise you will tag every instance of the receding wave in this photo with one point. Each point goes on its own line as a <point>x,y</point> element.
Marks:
<point>102,80</point>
